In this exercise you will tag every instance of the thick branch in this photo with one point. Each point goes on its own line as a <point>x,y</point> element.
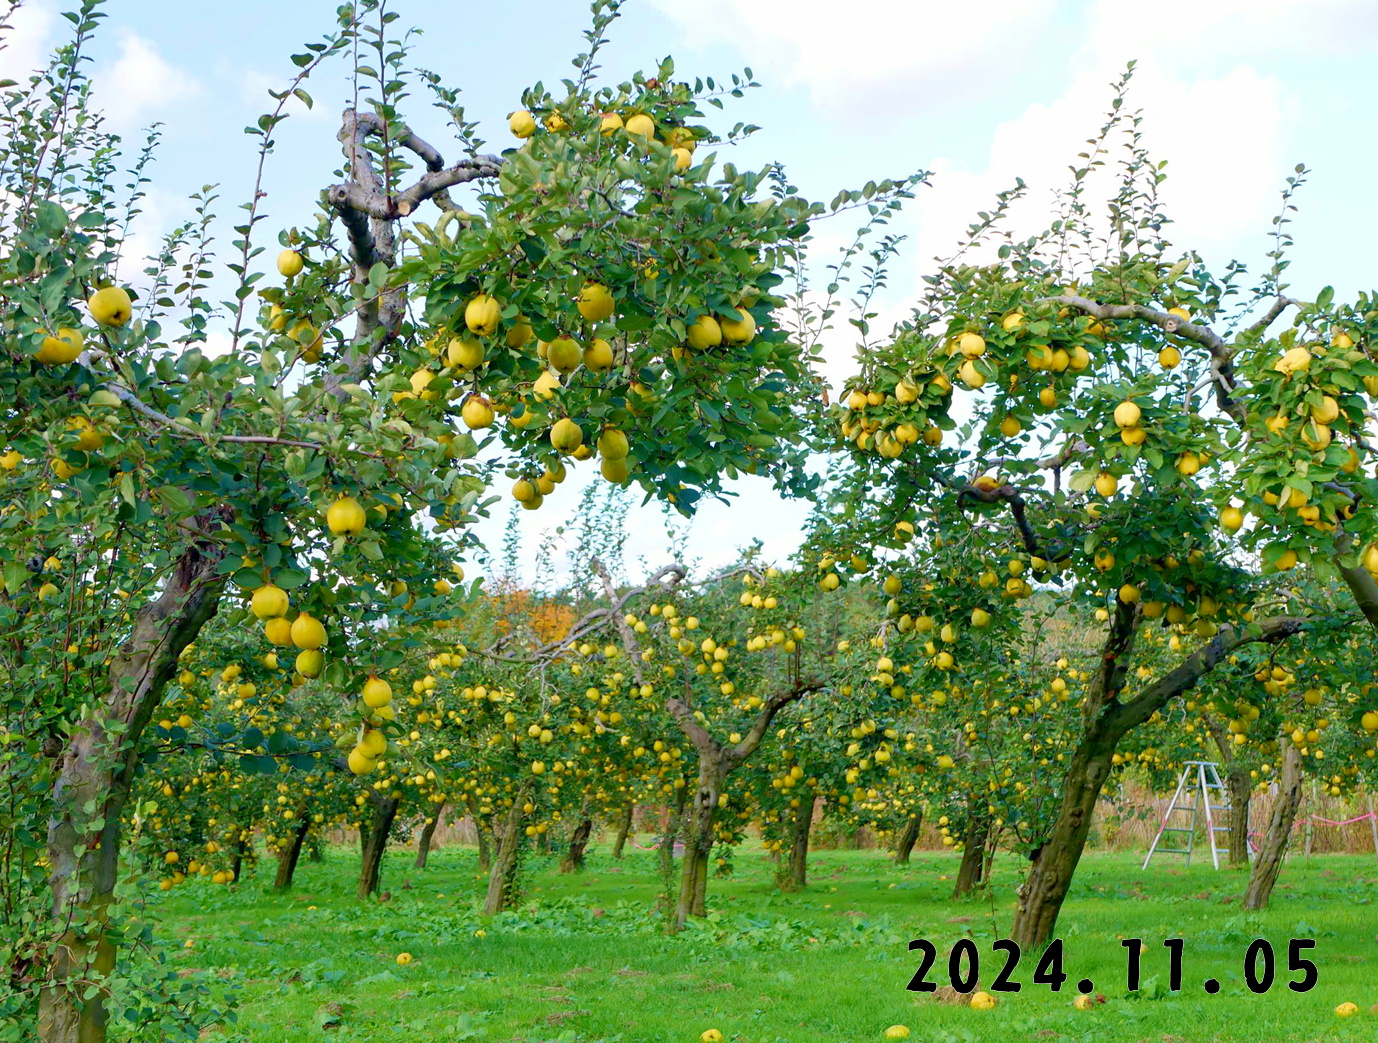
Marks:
<point>1124,716</point>
<point>1222,369</point>
<point>777,702</point>
<point>1279,306</point>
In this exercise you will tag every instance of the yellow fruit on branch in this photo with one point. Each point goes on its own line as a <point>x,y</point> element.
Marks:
<point>564,354</point>
<point>971,345</point>
<point>482,315</point>
<point>1107,484</point>
<point>615,471</point>
<point>61,350</point>
<point>595,302</point>
<point>1294,360</point>
<point>705,332</point>
<point>598,356</point>
<point>1231,518</point>
<point>1169,357</point>
<point>290,263</point>
<point>269,601</point>
<point>377,692</point>
<point>345,517</point>
<point>566,436</point>
<point>971,376</point>
<point>613,444</point>
<point>309,662</point>
<point>307,632</point>
<point>641,125</point>
<point>360,763</point>
<point>110,306</point>
<point>477,413</point>
<point>522,123</point>
<point>1127,414</point>
<point>740,330</point>
<point>608,123</point>
<point>278,631</point>
<point>465,353</point>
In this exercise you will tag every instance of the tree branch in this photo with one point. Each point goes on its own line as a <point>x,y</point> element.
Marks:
<point>1279,306</point>
<point>1124,716</point>
<point>1222,369</point>
<point>737,754</point>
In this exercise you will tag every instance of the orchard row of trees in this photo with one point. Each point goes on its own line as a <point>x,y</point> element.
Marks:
<point>1091,509</point>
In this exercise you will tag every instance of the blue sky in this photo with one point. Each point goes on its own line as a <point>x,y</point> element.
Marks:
<point>1236,92</point>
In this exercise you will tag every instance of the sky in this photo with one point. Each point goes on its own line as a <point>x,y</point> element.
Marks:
<point>1235,94</point>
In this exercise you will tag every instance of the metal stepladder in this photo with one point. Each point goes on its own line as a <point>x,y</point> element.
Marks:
<point>1208,796</point>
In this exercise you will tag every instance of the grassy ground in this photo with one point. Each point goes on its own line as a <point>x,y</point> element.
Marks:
<point>583,961</point>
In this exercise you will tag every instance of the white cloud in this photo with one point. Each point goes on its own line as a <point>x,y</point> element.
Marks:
<point>873,48</point>
<point>26,41</point>
<point>1222,185</point>
<point>140,86</point>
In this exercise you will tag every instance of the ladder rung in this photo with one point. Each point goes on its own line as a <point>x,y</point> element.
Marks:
<point>1177,829</point>
<point>1172,851</point>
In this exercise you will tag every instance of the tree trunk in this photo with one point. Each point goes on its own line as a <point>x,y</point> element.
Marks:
<point>624,826</point>
<point>795,874</point>
<point>1241,789</point>
<point>485,850</point>
<point>287,860</point>
<point>698,842</point>
<point>1042,894</point>
<point>94,781</point>
<point>1268,863</point>
<point>909,836</point>
<point>237,863</point>
<point>503,875</point>
<point>375,844</point>
<point>666,847</point>
<point>578,842</point>
<point>972,870</point>
<point>423,843</point>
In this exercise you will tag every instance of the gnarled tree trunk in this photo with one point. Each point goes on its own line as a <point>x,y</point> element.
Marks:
<point>909,836</point>
<point>423,842</point>
<point>1268,863</point>
<point>578,843</point>
<point>624,827</point>
<point>502,877</point>
<point>241,843</point>
<point>375,844</point>
<point>287,860</point>
<point>94,781</point>
<point>698,842</point>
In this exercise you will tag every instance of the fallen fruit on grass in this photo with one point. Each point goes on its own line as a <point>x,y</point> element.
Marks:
<point>982,1001</point>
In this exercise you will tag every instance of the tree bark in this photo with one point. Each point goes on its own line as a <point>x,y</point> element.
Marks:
<point>502,877</point>
<point>573,861</point>
<point>287,860</point>
<point>237,863</point>
<point>423,843</point>
<point>624,827</point>
<point>795,875</point>
<point>1241,789</point>
<point>485,849</point>
<point>1268,863</point>
<point>698,842</point>
<point>375,844</point>
<point>1107,721</point>
<point>909,836</point>
<point>1237,784</point>
<point>971,873</point>
<point>94,781</point>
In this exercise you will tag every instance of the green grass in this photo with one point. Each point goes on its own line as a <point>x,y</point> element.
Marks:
<point>583,961</point>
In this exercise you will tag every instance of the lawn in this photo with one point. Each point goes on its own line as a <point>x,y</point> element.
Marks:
<point>583,960</point>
